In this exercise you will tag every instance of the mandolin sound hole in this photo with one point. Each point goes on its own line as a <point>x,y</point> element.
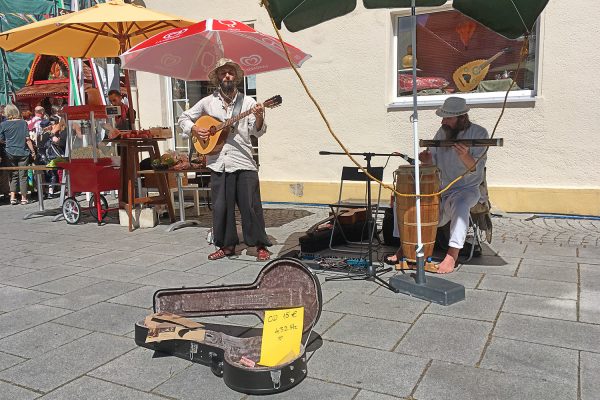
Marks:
<point>467,78</point>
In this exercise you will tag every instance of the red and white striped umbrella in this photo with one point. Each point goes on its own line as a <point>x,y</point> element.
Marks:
<point>191,53</point>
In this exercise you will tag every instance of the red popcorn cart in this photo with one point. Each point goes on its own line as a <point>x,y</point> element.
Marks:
<point>92,166</point>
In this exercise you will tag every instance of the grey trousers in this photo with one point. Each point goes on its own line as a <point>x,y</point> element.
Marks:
<point>18,179</point>
<point>241,188</point>
<point>455,208</point>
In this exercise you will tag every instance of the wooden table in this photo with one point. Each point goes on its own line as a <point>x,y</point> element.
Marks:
<point>182,223</point>
<point>130,149</point>
<point>39,171</point>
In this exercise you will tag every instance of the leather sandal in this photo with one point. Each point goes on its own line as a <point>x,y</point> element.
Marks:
<point>221,253</point>
<point>262,254</point>
<point>387,259</point>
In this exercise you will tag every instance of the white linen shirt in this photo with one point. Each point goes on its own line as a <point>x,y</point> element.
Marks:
<point>450,165</point>
<point>236,153</point>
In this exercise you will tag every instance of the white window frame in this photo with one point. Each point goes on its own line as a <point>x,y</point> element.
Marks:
<point>396,102</point>
<point>171,119</point>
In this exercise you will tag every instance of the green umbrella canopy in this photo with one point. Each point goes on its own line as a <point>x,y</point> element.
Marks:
<point>510,18</point>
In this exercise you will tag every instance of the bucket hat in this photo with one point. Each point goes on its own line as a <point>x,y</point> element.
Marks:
<point>453,107</point>
<point>212,75</point>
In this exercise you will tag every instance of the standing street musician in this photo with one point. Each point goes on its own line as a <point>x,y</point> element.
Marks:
<point>234,173</point>
<point>454,161</point>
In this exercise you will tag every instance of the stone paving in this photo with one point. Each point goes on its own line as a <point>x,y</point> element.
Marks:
<point>529,328</point>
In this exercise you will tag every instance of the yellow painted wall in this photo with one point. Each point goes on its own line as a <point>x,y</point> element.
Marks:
<point>509,199</point>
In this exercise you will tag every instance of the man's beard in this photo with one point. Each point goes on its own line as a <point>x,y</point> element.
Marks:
<point>461,124</point>
<point>451,133</point>
<point>227,86</point>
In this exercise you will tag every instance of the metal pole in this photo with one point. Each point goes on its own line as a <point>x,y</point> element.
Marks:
<point>420,257</point>
<point>180,194</point>
<point>371,272</point>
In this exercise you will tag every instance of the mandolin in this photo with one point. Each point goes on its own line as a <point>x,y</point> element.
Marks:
<point>219,129</point>
<point>468,76</point>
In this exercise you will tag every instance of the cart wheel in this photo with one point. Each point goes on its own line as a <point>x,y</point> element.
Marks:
<point>71,210</point>
<point>94,211</point>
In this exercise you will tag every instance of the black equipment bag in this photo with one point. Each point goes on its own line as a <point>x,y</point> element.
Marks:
<point>319,240</point>
<point>282,283</point>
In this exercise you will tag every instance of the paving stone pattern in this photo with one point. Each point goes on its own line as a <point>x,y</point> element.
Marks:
<point>529,328</point>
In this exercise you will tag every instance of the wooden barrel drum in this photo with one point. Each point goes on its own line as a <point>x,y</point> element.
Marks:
<point>406,212</point>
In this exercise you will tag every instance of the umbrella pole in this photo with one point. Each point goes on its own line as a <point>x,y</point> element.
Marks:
<point>128,88</point>
<point>129,100</point>
<point>433,289</point>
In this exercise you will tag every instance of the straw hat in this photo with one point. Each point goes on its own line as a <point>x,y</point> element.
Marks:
<point>212,75</point>
<point>453,107</point>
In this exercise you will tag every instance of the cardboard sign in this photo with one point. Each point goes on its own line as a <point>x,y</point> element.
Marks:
<point>282,336</point>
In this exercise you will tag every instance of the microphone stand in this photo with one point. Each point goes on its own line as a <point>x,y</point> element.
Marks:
<point>371,272</point>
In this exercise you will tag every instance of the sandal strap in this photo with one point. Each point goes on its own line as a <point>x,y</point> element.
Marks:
<point>216,255</point>
<point>221,253</point>
<point>263,254</point>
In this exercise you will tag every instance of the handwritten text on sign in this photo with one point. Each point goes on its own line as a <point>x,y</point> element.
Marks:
<point>282,336</point>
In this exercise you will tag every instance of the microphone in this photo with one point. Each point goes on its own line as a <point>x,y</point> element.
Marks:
<point>410,160</point>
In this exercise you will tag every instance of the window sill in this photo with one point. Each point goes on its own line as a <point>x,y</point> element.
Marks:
<point>496,98</point>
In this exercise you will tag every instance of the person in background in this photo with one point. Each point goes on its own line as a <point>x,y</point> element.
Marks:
<point>55,112</point>
<point>4,188</point>
<point>33,125</point>
<point>19,148</point>
<point>27,116</point>
<point>122,121</point>
<point>54,147</point>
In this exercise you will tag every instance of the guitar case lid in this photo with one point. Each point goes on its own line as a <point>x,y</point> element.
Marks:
<point>282,283</point>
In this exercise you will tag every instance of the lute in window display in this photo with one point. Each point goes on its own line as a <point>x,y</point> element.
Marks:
<point>459,55</point>
<point>468,76</point>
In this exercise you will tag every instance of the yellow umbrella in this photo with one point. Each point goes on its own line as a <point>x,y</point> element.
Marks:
<point>104,30</point>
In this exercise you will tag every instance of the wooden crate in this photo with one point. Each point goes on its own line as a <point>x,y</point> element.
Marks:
<point>158,132</point>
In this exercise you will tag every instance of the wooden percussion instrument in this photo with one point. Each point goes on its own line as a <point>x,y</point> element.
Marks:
<point>406,211</point>
<point>466,142</point>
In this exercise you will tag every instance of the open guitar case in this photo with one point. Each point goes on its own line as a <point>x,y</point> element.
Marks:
<point>282,283</point>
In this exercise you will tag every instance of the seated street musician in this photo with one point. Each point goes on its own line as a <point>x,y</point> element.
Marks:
<point>454,161</point>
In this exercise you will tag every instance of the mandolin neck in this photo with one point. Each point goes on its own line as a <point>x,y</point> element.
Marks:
<point>491,60</point>
<point>235,119</point>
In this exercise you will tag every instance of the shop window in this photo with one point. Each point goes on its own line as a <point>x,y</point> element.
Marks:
<point>452,54</point>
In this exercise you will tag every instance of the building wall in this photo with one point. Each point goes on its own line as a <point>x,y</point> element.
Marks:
<point>548,162</point>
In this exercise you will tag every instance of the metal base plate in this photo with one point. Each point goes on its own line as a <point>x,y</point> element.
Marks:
<point>436,290</point>
<point>181,224</point>
<point>44,213</point>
